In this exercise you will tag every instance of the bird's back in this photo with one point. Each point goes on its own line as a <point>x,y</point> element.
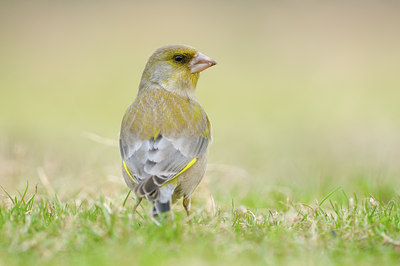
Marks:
<point>157,111</point>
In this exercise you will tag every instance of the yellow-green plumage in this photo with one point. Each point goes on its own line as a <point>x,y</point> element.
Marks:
<point>165,132</point>
<point>155,111</point>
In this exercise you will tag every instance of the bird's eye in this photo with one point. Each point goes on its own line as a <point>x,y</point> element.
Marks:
<point>179,58</point>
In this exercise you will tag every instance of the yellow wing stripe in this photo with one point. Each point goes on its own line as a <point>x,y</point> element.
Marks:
<point>192,162</point>
<point>127,171</point>
<point>174,180</point>
<point>186,167</point>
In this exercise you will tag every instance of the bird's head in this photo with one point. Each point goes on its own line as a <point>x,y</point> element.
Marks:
<point>175,68</point>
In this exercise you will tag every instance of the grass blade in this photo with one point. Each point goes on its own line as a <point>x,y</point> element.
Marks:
<point>328,196</point>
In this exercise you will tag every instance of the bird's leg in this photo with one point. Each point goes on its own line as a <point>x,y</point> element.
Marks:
<point>138,200</point>
<point>186,205</point>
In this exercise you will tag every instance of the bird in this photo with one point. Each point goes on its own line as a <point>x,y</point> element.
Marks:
<point>165,132</point>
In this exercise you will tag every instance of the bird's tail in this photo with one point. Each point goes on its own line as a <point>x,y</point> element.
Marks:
<point>160,208</point>
<point>158,193</point>
<point>162,205</point>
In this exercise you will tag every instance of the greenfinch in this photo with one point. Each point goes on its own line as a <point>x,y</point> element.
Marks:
<point>165,132</point>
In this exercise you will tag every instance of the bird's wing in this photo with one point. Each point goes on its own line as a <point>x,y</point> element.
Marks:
<point>165,152</point>
<point>153,162</point>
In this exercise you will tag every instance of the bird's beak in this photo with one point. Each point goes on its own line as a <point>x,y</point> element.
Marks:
<point>200,63</point>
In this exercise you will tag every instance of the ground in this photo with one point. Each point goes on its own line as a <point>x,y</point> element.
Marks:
<point>101,231</point>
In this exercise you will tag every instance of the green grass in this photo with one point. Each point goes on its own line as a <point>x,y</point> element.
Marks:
<point>43,230</point>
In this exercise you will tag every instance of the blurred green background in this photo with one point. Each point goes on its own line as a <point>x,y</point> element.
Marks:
<point>305,97</point>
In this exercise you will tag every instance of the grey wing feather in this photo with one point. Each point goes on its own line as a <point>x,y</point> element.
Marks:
<point>154,162</point>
